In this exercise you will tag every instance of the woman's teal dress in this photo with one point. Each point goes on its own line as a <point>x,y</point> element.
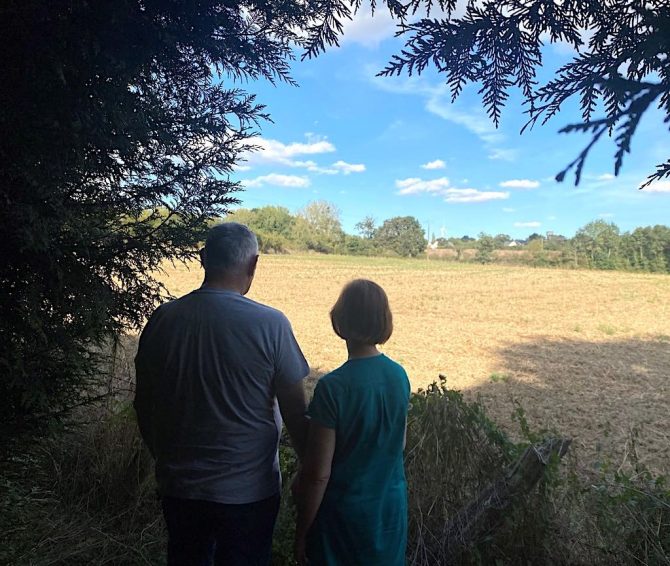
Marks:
<point>363,516</point>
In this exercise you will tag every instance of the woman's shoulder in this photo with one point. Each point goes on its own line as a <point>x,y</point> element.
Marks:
<point>392,364</point>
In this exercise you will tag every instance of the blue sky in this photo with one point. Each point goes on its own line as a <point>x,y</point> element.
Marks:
<point>397,146</point>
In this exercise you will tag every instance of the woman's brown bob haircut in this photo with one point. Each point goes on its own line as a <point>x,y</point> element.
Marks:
<point>362,313</point>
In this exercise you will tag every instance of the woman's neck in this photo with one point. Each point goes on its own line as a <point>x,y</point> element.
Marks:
<point>358,350</point>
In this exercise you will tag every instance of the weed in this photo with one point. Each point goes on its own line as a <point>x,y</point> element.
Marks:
<point>500,377</point>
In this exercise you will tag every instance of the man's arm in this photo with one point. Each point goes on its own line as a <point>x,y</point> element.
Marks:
<point>293,406</point>
<point>144,391</point>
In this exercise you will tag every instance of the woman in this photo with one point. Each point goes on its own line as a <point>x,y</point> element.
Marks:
<point>352,494</point>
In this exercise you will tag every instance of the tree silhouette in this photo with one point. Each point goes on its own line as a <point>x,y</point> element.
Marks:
<point>497,45</point>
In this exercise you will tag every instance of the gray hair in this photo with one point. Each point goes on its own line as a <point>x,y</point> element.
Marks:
<point>229,247</point>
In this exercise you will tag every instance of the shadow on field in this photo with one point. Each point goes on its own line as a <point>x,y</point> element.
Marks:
<point>609,396</point>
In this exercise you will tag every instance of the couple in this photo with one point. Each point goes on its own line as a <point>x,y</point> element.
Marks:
<point>217,373</point>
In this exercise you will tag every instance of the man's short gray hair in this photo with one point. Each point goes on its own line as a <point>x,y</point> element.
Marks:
<point>230,246</point>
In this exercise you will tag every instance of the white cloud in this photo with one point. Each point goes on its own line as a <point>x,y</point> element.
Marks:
<point>473,195</point>
<point>503,154</point>
<point>414,185</point>
<point>278,153</point>
<point>437,164</point>
<point>520,184</point>
<point>347,168</point>
<point>605,177</point>
<point>508,209</point>
<point>369,31</point>
<point>278,180</point>
<point>532,224</point>
<point>658,187</point>
<point>274,152</point>
<point>442,187</point>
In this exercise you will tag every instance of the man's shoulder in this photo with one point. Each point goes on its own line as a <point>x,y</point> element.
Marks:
<point>265,312</point>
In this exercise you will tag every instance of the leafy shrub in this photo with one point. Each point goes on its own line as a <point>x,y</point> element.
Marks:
<point>87,496</point>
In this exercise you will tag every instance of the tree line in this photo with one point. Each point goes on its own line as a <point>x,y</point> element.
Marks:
<point>317,227</point>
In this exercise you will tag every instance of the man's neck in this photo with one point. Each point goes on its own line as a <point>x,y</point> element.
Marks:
<point>225,284</point>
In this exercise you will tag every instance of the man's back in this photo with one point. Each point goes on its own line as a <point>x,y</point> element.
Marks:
<point>211,363</point>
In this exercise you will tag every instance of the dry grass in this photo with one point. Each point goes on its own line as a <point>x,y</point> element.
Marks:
<point>585,352</point>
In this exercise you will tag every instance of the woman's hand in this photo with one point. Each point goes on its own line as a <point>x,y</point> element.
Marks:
<point>299,551</point>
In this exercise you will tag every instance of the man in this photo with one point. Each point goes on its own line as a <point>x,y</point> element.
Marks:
<point>214,371</point>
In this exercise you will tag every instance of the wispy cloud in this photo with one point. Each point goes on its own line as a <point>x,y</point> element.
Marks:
<point>293,181</point>
<point>278,153</point>
<point>473,195</point>
<point>531,224</point>
<point>369,31</point>
<point>658,187</point>
<point>347,168</point>
<point>275,152</point>
<point>520,184</point>
<point>442,187</point>
<point>438,102</point>
<point>605,177</point>
<point>503,154</point>
<point>437,164</point>
<point>414,185</point>
<point>606,215</point>
<point>508,209</point>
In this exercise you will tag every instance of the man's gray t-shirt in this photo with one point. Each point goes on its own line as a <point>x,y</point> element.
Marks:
<point>209,366</point>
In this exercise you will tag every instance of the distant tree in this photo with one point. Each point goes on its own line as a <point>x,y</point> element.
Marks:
<point>623,71</point>
<point>402,235</point>
<point>366,227</point>
<point>319,227</point>
<point>647,249</point>
<point>274,220</point>
<point>485,247</point>
<point>599,242</point>
<point>273,226</point>
<point>535,236</point>
<point>443,243</point>
<point>357,245</point>
<point>467,238</point>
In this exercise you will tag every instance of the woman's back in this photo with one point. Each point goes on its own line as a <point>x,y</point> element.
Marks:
<point>363,516</point>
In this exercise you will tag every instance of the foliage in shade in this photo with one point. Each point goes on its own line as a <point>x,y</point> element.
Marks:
<point>120,123</point>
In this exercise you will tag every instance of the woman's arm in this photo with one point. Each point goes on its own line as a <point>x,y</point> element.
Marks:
<point>314,478</point>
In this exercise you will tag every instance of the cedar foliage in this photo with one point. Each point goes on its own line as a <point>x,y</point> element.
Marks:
<point>623,67</point>
<point>120,123</point>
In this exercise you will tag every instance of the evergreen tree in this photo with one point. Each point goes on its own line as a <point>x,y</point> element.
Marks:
<point>120,123</point>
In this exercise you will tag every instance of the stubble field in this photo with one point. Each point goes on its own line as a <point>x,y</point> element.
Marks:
<point>586,353</point>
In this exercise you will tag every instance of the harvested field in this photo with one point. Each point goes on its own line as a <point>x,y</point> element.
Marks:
<point>586,353</point>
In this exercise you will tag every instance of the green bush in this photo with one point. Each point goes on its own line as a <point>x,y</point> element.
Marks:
<point>87,496</point>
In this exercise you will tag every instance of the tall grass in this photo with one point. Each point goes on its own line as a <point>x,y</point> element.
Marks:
<point>87,496</point>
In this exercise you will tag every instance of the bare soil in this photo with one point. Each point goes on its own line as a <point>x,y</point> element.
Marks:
<point>586,353</point>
